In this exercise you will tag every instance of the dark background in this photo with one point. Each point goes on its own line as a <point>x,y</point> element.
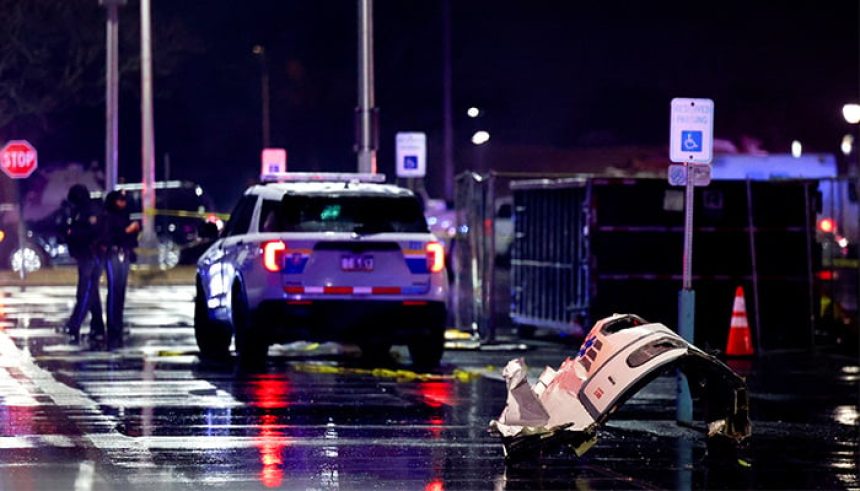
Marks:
<point>547,73</point>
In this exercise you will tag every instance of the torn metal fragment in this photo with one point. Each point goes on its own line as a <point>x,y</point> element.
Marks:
<point>619,356</point>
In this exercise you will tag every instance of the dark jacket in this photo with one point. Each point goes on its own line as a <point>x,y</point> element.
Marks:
<point>84,225</point>
<point>116,221</point>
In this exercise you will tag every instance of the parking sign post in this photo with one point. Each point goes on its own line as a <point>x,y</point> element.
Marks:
<point>691,135</point>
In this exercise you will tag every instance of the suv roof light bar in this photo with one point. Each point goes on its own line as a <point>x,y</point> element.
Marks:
<point>322,177</point>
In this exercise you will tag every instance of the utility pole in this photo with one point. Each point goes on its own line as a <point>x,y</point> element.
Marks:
<point>148,240</point>
<point>367,128</point>
<point>112,92</point>
<point>260,51</point>
<point>447,105</point>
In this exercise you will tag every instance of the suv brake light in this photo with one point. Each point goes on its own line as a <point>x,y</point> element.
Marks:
<point>435,256</point>
<point>273,255</point>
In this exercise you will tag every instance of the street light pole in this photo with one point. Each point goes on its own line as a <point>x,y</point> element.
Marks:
<point>264,94</point>
<point>148,240</point>
<point>112,91</point>
<point>366,150</point>
<point>447,105</point>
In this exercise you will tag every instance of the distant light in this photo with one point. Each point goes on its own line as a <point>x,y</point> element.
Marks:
<point>851,113</point>
<point>198,191</point>
<point>480,137</point>
<point>2,235</point>
<point>842,242</point>
<point>258,50</point>
<point>827,225</point>
<point>847,144</point>
<point>796,149</point>
<point>473,112</point>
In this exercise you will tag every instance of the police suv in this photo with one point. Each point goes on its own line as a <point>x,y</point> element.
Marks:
<point>323,257</point>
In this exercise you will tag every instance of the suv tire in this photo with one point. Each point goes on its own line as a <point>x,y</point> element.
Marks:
<point>213,338</point>
<point>250,346</point>
<point>426,351</point>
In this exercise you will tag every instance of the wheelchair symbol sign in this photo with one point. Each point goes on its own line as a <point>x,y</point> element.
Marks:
<point>410,162</point>
<point>691,130</point>
<point>691,141</point>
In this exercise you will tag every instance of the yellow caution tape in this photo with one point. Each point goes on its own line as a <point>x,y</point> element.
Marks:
<point>846,263</point>
<point>457,334</point>
<point>171,353</point>
<point>399,374</point>
<point>186,213</point>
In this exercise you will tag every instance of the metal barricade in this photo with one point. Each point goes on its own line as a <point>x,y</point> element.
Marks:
<point>491,261</point>
<point>473,262</point>
<point>549,263</point>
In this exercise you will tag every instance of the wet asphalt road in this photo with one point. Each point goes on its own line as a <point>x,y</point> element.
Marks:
<point>153,416</point>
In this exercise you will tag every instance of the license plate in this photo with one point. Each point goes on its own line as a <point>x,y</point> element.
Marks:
<point>356,262</point>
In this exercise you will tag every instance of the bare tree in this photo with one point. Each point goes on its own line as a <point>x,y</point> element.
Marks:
<point>50,58</point>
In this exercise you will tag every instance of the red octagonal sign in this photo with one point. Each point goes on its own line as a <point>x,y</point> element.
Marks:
<point>18,159</point>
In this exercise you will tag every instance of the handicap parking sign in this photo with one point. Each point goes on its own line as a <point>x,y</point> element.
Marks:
<point>411,154</point>
<point>691,131</point>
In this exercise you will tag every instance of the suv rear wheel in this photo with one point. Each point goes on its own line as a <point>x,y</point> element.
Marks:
<point>426,351</point>
<point>213,338</point>
<point>251,347</point>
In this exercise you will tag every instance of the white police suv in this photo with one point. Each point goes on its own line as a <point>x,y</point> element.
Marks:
<point>323,257</point>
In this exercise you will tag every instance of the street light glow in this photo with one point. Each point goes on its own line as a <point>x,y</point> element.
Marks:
<point>473,112</point>
<point>796,149</point>
<point>847,144</point>
<point>851,113</point>
<point>480,137</point>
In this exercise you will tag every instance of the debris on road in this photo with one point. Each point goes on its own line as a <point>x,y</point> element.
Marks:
<point>620,356</point>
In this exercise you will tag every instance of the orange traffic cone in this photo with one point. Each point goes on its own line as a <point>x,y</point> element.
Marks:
<point>739,343</point>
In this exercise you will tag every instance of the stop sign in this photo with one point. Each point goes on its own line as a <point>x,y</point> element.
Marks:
<point>18,159</point>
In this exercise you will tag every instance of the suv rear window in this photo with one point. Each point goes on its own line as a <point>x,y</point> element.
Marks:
<point>360,214</point>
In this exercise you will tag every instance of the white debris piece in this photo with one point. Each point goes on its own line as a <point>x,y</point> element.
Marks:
<point>618,357</point>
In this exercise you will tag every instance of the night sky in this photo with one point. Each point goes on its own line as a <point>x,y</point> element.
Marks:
<point>547,73</point>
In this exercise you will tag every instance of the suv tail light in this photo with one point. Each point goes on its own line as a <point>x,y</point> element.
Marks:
<point>273,255</point>
<point>435,256</point>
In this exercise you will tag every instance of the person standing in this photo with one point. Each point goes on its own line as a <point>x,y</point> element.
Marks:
<point>83,233</point>
<point>120,239</point>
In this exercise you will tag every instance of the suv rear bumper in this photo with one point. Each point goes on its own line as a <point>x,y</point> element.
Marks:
<point>395,322</point>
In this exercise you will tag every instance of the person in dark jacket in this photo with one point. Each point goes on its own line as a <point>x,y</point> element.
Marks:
<point>83,233</point>
<point>120,238</point>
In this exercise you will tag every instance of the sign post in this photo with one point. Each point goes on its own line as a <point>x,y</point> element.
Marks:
<point>18,160</point>
<point>691,136</point>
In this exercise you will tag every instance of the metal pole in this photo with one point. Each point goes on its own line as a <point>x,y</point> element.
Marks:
<point>687,278</point>
<point>112,93</point>
<point>686,300</point>
<point>264,94</point>
<point>810,224</point>
<point>21,234</point>
<point>489,223</point>
<point>366,152</point>
<point>447,104</point>
<point>148,240</point>
<point>754,264</point>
